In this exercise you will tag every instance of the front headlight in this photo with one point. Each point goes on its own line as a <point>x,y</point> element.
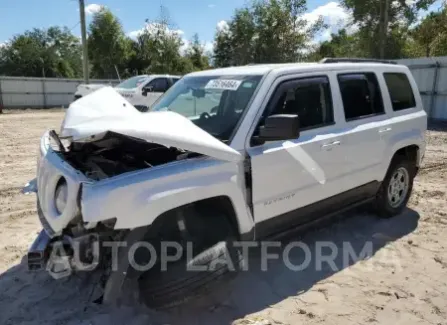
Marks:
<point>60,195</point>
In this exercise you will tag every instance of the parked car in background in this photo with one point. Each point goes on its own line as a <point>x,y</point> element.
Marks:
<point>141,91</point>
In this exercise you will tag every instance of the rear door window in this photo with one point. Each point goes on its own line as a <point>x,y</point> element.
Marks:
<point>361,95</point>
<point>400,91</point>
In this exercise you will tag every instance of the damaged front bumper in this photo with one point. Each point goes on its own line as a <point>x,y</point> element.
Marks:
<point>52,169</point>
<point>39,252</point>
<point>62,255</point>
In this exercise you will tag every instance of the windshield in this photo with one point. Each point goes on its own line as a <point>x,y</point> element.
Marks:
<point>214,103</point>
<point>133,82</point>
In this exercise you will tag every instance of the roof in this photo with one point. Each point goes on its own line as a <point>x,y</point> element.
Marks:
<point>262,69</point>
<point>157,76</point>
<point>255,69</point>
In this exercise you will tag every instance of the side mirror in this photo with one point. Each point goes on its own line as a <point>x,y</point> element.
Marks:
<point>280,127</point>
<point>146,90</point>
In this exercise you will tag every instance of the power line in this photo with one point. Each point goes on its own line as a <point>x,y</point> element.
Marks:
<point>77,24</point>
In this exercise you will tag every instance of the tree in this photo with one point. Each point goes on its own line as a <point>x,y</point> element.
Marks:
<point>341,44</point>
<point>265,31</point>
<point>431,34</point>
<point>222,49</point>
<point>383,24</point>
<point>108,46</point>
<point>159,47</point>
<point>52,52</point>
<point>160,50</point>
<point>196,54</point>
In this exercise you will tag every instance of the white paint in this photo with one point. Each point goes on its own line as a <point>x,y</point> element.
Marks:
<point>306,160</point>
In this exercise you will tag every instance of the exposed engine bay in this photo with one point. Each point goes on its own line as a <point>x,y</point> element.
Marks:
<point>114,154</point>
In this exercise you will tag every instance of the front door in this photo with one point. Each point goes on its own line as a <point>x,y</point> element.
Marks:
<point>152,91</point>
<point>293,174</point>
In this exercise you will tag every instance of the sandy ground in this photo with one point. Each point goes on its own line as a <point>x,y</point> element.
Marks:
<point>403,281</point>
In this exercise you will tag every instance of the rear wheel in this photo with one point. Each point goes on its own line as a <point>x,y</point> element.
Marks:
<point>396,188</point>
<point>211,258</point>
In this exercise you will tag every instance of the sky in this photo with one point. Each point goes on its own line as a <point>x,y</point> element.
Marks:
<point>188,16</point>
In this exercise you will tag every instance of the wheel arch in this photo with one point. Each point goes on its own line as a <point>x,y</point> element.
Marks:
<point>411,152</point>
<point>123,272</point>
<point>221,203</point>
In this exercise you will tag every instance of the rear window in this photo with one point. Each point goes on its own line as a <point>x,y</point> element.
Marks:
<point>361,95</point>
<point>400,91</point>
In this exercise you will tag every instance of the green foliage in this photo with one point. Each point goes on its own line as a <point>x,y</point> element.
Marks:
<point>159,49</point>
<point>53,52</point>
<point>195,53</point>
<point>341,44</point>
<point>107,45</point>
<point>369,16</point>
<point>431,34</point>
<point>265,31</point>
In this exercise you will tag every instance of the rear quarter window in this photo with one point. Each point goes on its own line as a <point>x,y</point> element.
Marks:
<point>400,91</point>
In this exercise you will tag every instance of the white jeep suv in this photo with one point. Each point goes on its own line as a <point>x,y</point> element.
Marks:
<point>232,154</point>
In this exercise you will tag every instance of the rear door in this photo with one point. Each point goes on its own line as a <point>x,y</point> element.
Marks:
<point>365,127</point>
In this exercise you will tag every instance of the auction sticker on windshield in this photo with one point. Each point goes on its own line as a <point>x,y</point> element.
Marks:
<point>224,84</point>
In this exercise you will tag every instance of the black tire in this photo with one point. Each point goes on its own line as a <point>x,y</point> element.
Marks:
<point>221,261</point>
<point>141,108</point>
<point>384,207</point>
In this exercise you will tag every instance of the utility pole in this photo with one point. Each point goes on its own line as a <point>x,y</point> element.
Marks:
<point>84,41</point>
<point>383,28</point>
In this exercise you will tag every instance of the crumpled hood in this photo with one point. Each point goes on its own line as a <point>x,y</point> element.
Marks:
<point>106,110</point>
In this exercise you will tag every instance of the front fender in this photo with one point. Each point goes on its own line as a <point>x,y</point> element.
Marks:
<point>136,199</point>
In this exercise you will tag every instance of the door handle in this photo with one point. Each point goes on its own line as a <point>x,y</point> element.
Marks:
<point>331,144</point>
<point>385,130</point>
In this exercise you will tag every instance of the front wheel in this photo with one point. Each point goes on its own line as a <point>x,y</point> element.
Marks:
<point>212,258</point>
<point>396,188</point>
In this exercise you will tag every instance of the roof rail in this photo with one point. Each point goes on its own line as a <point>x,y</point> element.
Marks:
<point>355,60</point>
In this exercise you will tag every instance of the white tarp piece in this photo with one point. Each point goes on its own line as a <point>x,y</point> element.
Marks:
<point>106,110</point>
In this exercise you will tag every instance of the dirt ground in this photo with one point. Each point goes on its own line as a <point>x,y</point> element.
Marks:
<point>403,281</point>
